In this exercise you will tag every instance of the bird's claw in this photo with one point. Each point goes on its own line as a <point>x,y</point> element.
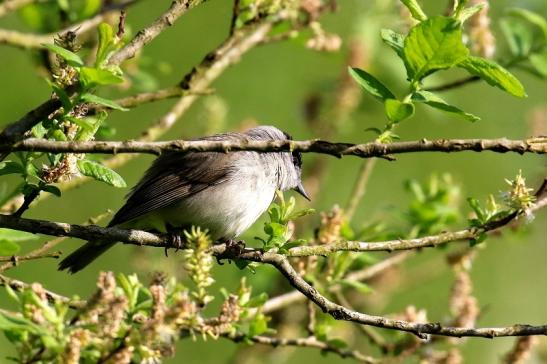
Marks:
<point>233,249</point>
<point>175,241</point>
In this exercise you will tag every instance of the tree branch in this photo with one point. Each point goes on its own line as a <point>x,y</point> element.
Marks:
<point>367,150</point>
<point>290,298</point>
<point>282,264</point>
<point>14,260</point>
<point>338,312</point>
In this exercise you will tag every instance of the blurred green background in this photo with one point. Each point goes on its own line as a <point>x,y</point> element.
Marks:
<point>270,85</point>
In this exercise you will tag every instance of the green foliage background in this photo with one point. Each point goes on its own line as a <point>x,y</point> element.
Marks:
<point>270,85</point>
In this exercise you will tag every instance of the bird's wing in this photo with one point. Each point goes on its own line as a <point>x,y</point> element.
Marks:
<point>171,177</point>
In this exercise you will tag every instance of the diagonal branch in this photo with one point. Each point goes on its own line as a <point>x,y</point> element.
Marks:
<point>339,312</point>
<point>16,130</point>
<point>367,150</point>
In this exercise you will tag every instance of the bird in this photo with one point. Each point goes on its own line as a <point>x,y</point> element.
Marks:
<point>224,193</point>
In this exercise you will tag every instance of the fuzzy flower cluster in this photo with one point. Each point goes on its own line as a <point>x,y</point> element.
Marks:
<point>198,263</point>
<point>519,197</point>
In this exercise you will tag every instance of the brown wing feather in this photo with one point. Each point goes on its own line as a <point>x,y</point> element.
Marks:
<point>174,176</point>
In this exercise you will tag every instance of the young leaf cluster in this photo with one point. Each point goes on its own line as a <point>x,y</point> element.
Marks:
<point>278,229</point>
<point>74,85</point>
<point>434,44</point>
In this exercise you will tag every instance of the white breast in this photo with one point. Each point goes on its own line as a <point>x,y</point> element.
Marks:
<point>229,208</point>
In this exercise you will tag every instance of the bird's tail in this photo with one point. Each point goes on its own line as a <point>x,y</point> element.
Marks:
<point>83,256</point>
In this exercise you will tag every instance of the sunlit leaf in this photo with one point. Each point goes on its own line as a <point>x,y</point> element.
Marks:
<point>494,74</point>
<point>397,111</point>
<point>432,45</point>
<point>71,58</point>
<point>100,173</point>
<point>435,101</point>
<point>101,101</point>
<point>91,77</point>
<point>371,84</point>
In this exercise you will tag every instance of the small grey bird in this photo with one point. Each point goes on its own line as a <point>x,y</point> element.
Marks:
<point>224,193</point>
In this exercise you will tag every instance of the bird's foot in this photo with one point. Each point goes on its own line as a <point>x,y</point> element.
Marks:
<point>175,240</point>
<point>233,249</point>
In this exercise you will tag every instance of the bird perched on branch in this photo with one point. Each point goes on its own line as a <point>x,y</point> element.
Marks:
<point>224,193</point>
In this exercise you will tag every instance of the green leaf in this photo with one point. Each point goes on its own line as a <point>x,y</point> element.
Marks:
<point>531,17</point>
<point>494,74</point>
<point>100,173</point>
<point>11,167</point>
<point>274,229</point>
<point>370,84</point>
<point>415,9</point>
<point>106,39</point>
<point>71,58</point>
<point>519,38</point>
<point>433,45</point>
<point>539,61</point>
<point>91,77</point>
<point>397,111</point>
<point>476,206</point>
<point>16,235</point>
<point>8,248</point>
<point>101,101</point>
<point>395,40</point>
<point>435,101</point>
<point>52,189</point>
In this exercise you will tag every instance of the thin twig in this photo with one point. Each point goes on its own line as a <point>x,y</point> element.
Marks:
<point>455,84</point>
<point>359,188</point>
<point>367,150</point>
<point>290,298</point>
<point>148,34</point>
<point>305,342</point>
<point>33,195</point>
<point>16,259</point>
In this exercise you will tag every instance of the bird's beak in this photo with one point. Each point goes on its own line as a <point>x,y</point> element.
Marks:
<point>300,189</point>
